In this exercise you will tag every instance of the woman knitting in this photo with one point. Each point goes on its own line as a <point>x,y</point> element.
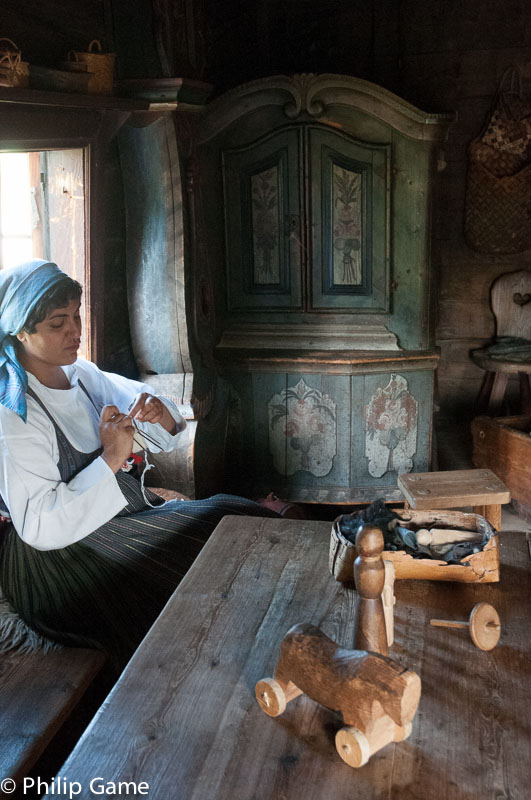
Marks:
<point>87,560</point>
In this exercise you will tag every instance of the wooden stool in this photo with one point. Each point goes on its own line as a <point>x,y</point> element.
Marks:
<point>479,488</point>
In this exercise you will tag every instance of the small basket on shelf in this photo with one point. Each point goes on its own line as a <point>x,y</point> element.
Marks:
<point>13,71</point>
<point>99,65</point>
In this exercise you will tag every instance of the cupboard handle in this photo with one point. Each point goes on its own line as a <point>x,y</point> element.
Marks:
<point>291,223</point>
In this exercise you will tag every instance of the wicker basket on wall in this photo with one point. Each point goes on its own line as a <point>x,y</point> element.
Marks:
<point>13,71</point>
<point>100,65</point>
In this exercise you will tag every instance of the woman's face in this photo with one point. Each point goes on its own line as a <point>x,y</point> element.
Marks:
<point>56,339</point>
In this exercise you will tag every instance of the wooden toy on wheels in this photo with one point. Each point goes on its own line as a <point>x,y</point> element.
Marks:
<point>377,696</point>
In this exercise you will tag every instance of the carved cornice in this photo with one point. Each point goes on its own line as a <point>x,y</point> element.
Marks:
<point>346,362</point>
<point>314,96</point>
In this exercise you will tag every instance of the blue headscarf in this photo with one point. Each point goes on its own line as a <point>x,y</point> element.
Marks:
<point>21,288</point>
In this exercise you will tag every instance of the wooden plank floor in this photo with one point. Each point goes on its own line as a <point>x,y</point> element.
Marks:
<point>184,719</point>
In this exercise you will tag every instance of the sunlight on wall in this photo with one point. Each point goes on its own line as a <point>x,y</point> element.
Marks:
<point>17,208</point>
<point>42,212</point>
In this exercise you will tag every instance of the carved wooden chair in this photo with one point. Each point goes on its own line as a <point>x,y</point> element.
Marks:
<point>510,298</point>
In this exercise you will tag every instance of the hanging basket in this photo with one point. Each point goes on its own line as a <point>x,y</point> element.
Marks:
<point>13,71</point>
<point>498,188</point>
<point>100,65</point>
<point>497,208</point>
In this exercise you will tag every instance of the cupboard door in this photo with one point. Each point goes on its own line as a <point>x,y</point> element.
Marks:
<point>350,195</point>
<point>263,227</point>
<point>391,426</point>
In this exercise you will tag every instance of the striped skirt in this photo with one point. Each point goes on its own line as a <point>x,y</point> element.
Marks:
<point>106,590</point>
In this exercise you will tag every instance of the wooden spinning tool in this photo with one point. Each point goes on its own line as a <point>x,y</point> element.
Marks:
<point>369,575</point>
<point>484,624</point>
<point>377,696</point>
<point>389,601</point>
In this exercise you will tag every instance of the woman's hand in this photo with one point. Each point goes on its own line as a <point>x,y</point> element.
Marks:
<point>116,433</point>
<point>148,408</point>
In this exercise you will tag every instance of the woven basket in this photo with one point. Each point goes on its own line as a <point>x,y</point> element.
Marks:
<point>13,71</point>
<point>100,65</point>
<point>482,567</point>
<point>498,190</point>
<point>497,207</point>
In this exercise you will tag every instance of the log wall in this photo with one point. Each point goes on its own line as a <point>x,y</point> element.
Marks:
<point>440,56</point>
<point>450,56</point>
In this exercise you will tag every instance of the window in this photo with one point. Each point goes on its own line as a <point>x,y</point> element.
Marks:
<point>42,211</point>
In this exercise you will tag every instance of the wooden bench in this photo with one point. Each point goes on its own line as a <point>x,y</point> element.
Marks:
<point>38,692</point>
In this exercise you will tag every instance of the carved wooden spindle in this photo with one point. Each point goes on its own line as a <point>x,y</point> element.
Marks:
<point>369,576</point>
<point>389,601</point>
<point>484,625</point>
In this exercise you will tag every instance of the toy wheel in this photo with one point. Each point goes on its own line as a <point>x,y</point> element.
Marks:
<point>353,746</point>
<point>270,696</point>
<point>485,626</point>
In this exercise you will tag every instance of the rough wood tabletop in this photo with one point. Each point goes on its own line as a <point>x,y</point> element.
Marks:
<point>184,719</point>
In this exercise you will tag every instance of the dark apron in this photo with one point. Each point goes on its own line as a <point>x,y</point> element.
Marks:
<point>106,590</point>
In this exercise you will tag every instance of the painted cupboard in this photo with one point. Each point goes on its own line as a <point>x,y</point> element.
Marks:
<point>312,204</point>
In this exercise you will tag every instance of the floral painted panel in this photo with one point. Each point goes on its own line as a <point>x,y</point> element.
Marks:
<point>346,222</point>
<point>391,417</point>
<point>302,430</point>
<point>266,226</point>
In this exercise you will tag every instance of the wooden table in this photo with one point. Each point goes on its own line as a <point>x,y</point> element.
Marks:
<point>183,716</point>
<point>479,488</point>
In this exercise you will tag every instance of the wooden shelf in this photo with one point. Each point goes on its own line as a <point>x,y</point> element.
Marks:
<point>37,97</point>
<point>329,361</point>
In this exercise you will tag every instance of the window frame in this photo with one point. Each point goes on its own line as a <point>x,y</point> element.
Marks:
<point>35,121</point>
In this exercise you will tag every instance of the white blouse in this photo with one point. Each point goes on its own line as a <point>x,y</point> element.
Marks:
<point>48,513</point>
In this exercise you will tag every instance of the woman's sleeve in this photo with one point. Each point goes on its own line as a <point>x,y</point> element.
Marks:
<point>47,513</point>
<point>121,392</point>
